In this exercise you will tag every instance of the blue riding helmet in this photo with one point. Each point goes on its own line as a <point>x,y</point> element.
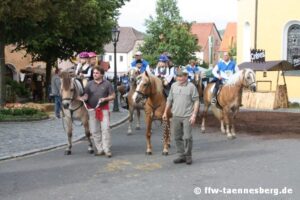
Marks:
<point>163,58</point>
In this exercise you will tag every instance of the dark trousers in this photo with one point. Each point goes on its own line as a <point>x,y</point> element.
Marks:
<point>217,86</point>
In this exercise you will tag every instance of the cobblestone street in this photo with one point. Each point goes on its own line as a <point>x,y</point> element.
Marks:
<point>19,138</point>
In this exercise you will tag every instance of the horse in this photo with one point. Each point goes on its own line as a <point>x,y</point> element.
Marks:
<point>229,99</point>
<point>133,74</point>
<point>71,88</point>
<point>150,87</point>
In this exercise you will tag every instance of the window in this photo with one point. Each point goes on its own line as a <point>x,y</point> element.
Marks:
<point>110,57</point>
<point>293,43</point>
<point>121,58</point>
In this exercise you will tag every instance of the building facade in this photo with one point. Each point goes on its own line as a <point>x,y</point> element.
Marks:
<point>209,40</point>
<point>273,26</point>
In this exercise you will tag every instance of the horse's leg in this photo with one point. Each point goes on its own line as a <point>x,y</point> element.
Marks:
<point>227,121</point>
<point>129,132</point>
<point>222,126</point>
<point>206,106</point>
<point>85,121</point>
<point>148,133</point>
<point>68,126</point>
<point>232,123</point>
<point>138,122</point>
<point>166,137</point>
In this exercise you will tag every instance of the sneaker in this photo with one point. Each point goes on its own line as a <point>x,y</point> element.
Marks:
<point>189,160</point>
<point>101,153</point>
<point>214,100</point>
<point>108,154</point>
<point>179,160</point>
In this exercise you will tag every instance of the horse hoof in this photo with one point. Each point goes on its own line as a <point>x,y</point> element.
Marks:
<point>203,131</point>
<point>231,137</point>
<point>169,145</point>
<point>148,153</point>
<point>165,153</point>
<point>67,152</point>
<point>137,128</point>
<point>91,151</point>
<point>129,133</point>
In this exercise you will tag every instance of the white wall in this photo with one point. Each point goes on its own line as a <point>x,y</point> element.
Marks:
<point>122,65</point>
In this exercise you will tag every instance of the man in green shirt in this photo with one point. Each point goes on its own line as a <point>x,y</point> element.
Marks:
<point>184,101</point>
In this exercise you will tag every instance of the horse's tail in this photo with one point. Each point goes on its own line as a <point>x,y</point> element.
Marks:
<point>217,112</point>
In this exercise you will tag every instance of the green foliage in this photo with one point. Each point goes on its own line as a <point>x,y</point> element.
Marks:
<point>19,111</point>
<point>169,33</point>
<point>232,51</point>
<point>21,114</point>
<point>18,88</point>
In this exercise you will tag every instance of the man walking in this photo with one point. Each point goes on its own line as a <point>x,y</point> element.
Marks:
<point>184,101</point>
<point>98,93</point>
<point>55,92</point>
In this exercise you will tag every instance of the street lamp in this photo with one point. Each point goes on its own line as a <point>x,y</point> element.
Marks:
<point>115,39</point>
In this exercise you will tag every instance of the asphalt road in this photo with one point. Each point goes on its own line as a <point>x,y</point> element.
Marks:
<point>267,169</point>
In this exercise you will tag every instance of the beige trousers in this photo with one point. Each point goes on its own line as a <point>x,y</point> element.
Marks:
<point>100,131</point>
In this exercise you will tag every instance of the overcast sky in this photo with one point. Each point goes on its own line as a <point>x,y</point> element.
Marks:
<point>221,12</point>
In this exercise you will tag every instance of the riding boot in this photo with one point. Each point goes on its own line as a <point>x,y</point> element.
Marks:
<point>214,94</point>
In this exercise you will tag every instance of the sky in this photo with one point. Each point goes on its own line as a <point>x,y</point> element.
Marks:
<point>220,12</point>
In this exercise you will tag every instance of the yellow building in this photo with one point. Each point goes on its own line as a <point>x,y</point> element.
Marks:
<point>274,26</point>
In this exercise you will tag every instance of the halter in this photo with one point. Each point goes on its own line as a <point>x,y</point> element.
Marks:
<point>71,99</point>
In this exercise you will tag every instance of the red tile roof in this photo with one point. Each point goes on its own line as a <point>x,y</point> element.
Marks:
<point>203,31</point>
<point>229,38</point>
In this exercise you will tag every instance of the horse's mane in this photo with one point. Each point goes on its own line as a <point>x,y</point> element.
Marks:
<point>157,82</point>
<point>66,80</point>
<point>235,78</point>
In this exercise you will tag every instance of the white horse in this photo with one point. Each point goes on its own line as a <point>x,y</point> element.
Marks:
<point>72,108</point>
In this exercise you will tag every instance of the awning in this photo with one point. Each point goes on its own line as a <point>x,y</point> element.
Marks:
<point>277,65</point>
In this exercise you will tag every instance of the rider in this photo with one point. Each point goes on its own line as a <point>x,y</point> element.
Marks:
<point>93,62</point>
<point>172,69</point>
<point>162,71</point>
<point>222,72</point>
<point>193,69</point>
<point>83,69</point>
<point>144,64</point>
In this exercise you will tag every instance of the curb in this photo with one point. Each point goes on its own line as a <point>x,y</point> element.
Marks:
<point>35,151</point>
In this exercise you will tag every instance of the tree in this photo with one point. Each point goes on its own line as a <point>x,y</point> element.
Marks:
<point>59,28</point>
<point>168,32</point>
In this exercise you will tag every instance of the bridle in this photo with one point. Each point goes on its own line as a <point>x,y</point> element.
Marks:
<point>72,99</point>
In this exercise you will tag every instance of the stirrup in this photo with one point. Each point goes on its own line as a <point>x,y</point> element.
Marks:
<point>214,100</point>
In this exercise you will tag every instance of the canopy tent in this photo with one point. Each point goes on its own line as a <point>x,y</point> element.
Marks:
<point>276,65</point>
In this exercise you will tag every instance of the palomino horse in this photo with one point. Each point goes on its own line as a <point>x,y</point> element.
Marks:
<point>229,99</point>
<point>72,108</point>
<point>151,88</point>
<point>198,83</point>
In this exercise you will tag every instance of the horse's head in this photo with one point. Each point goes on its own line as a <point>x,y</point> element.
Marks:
<point>69,89</point>
<point>143,89</point>
<point>133,73</point>
<point>249,79</point>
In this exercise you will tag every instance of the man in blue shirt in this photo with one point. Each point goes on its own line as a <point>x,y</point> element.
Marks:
<point>138,59</point>
<point>222,72</point>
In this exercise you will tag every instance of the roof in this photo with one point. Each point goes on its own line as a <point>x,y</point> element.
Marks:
<point>229,38</point>
<point>203,31</point>
<point>292,73</point>
<point>128,37</point>
<point>275,65</point>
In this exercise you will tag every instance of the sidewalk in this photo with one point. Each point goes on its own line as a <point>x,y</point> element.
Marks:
<point>24,138</point>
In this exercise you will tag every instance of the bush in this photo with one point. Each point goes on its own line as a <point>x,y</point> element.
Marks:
<point>294,105</point>
<point>21,114</point>
<point>18,88</point>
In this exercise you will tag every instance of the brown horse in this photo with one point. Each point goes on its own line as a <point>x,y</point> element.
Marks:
<point>72,108</point>
<point>150,88</point>
<point>229,99</point>
<point>133,74</point>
